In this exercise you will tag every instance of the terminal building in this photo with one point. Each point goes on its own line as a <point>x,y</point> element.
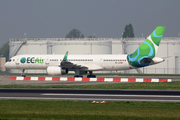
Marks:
<point>169,50</point>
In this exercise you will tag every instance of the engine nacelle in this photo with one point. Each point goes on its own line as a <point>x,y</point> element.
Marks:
<point>55,70</point>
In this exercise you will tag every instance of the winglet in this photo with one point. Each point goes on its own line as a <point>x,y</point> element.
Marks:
<point>65,57</point>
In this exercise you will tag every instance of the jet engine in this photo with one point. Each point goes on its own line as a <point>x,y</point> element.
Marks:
<point>55,70</point>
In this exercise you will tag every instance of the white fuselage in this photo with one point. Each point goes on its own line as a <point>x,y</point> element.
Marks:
<point>92,62</point>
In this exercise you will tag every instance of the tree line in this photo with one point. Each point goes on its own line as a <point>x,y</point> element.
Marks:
<point>128,33</point>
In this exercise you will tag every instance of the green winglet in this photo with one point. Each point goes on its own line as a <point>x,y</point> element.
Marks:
<point>65,57</point>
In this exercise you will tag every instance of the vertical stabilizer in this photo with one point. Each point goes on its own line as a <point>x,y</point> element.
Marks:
<point>147,50</point>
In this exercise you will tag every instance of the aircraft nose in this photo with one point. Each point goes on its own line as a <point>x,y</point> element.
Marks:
<point>6,65</point>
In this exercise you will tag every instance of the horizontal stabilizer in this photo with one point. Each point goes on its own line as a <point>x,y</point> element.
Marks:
<point>156,60</point>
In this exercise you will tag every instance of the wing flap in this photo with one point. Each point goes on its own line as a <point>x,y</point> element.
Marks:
<point>70,65</point>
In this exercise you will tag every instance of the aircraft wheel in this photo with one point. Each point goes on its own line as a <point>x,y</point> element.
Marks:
<point>78,76</point>
<point>91,76</point>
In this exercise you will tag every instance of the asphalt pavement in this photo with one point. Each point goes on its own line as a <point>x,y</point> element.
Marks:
<point>93,95</point>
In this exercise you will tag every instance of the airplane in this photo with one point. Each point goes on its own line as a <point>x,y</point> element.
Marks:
<point>144,56</point>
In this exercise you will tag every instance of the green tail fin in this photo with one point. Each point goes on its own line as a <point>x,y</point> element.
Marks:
<point>147,49</point>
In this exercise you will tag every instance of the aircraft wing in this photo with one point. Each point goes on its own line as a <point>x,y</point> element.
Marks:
<point>67,64</point>
<point>70,65</point>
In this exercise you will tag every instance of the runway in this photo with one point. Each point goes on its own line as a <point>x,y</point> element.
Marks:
<point>91,95</point>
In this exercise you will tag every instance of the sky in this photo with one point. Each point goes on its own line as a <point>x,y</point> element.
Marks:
<point>102,18</point>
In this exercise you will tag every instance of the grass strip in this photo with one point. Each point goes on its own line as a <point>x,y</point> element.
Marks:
<point>73,110</point>
<point>157,86</point>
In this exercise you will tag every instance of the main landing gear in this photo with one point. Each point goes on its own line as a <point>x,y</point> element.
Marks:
<point>91,75</point>
<point>79,74</point>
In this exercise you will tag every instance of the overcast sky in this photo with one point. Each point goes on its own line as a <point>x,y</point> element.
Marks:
<point>104,18</point>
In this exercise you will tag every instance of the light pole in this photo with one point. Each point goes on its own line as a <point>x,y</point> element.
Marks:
<point>25,36</point>
<point>26,42</point>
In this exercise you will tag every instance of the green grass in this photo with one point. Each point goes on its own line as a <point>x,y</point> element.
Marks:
<point>158,86</point>
<point>80,110</point>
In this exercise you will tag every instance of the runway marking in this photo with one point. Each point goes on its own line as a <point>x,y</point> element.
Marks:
<point>52,94</point>
<point>85,99</point>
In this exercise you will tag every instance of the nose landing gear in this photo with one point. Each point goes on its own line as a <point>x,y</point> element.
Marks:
<point>22,74</point>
